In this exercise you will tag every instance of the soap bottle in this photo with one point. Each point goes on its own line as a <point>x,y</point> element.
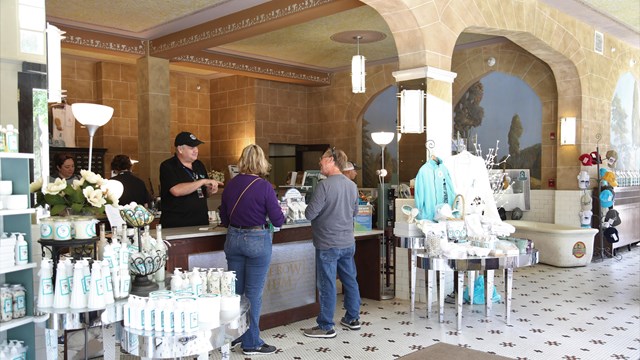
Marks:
<point>161,250</point>
<point>78,297</point>
<point>45,291</point>
<point>96,292</point>
<point>108,283</point>
<point>22,250</point>
<point>176,280</point>
<point>12,139</point>
<point>196,282</point>
<point>3,139</point>
<point>107,254</point>
<point>62,290</point>
<point>125,281</point>
<point>115,246</point>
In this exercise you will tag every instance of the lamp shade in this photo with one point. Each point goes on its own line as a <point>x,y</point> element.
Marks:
<point>92,114</point>
<point>358,74</point>
<point>568,131</point>
<point>382,137</point>
<point>412,111</point>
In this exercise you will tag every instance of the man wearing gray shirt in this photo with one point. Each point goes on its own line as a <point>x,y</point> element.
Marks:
<point>331,210</point>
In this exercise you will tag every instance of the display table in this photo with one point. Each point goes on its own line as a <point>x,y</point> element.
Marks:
<point>159,345</point>
<point>487,265</point>
<point>55,319</point>
<point>414,244</point>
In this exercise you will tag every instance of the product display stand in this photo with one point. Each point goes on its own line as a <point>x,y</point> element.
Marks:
<point>597,209</point>
<point>160,345</point>
<point>142,267</point>
<point>55,320</point>
<point>79,248</point>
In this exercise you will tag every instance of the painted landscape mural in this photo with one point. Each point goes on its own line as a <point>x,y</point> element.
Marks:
<point>501,111</point>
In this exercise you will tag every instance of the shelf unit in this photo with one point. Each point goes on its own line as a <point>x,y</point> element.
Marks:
<point>16,167</point>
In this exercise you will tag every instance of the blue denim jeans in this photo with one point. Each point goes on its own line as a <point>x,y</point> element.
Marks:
<point>248,253</point>
<point>328,263</point>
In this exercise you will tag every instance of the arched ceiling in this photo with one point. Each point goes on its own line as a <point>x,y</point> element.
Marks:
<point>287,39</point>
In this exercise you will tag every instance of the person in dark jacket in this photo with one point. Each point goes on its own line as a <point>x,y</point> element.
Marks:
<point>134,187</point>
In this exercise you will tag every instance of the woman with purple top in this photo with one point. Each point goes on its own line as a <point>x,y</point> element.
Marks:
<point>248,199</point>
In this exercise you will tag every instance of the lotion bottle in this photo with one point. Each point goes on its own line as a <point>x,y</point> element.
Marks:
<point>45,291</point>
<point>22,250</point>
<point>176,280</point>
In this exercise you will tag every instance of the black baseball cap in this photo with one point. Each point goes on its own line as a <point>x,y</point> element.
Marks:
<point>187,138</point>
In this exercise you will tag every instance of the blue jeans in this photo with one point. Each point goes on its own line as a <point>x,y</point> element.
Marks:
<point>248,253</point>
<point>328,262</point>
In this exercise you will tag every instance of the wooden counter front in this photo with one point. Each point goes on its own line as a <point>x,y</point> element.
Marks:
<point>194,240</point>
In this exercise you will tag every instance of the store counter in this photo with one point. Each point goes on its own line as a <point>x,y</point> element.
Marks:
<point>290,290</point>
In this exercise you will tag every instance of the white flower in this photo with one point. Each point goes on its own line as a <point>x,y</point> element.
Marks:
<point>55,187</point>
<point>94,196</point>
<point>110,196</point>
<point>91,177</point>
<point>77,184</point>
<point>35,186</point>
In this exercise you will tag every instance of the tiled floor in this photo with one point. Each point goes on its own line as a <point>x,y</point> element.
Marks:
<point>588,312</point>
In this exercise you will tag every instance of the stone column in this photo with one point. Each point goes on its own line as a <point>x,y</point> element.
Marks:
<point>154,115</point>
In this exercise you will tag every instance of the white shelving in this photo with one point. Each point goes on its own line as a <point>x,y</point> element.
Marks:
<point>18,268</point>
<point>16,167</point>
<point>5,326</point>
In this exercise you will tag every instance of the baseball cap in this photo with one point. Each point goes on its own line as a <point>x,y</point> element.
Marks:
<point>585,202</point>
<point>187,138</point>
<point>613,218</point>
<point>585,160</point>
<point>611,234</point>
<point>610,177</point>
<point>606,198</point>
<point>351,166</point>
<point>595,158</point>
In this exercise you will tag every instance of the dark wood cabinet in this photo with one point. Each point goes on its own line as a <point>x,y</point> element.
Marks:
<point>81,155</point>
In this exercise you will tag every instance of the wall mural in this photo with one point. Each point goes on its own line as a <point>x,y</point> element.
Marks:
<point>625,123</point>
<point>504,109</point>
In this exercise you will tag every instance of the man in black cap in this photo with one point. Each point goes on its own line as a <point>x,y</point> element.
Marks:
<point>185,186</point>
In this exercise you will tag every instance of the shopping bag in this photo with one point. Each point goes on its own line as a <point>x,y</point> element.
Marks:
<point>478,292</point>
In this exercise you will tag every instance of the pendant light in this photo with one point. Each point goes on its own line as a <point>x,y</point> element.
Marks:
<point>357,70</point>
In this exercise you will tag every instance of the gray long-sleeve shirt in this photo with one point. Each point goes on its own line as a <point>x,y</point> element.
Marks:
<point>331,210</point>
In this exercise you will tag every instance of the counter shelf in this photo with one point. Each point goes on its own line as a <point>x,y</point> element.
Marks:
<point>55,319</point>
<point>487,265</point>
<point>160,345</point>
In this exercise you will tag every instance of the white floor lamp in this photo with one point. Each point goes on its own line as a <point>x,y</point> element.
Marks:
<point>92,116</point>
<point>383,138</point>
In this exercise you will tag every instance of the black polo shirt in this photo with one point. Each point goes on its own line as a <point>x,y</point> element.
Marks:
<point>188,210</point>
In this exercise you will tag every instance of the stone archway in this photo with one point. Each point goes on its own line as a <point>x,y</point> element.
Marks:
<point>529,24</point>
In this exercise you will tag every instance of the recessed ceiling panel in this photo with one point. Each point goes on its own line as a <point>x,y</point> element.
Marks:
<point>310,44</point>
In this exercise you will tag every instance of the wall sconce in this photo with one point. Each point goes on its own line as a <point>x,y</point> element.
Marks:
<point>491,61</point>
<point>92,116</point>
<point>54,63</point>
<point>412,111</point>
<point>568,131</point>
<point>357,70</point>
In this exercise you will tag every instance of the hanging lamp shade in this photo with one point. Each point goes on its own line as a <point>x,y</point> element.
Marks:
<point>358,74</point>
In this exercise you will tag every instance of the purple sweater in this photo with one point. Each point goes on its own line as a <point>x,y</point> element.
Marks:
<point>258,202</point>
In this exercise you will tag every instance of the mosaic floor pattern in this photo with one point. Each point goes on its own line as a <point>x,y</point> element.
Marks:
<point>588,312</point>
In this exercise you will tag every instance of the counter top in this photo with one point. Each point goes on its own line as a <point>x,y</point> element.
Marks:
<point>205,231</point>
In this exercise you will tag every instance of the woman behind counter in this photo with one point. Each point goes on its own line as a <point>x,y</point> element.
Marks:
<point>65,168</point>
<point>247,200</point>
